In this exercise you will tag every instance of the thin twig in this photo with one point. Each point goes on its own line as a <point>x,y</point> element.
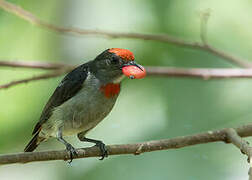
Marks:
<point>204,73</point>
<point>33,65</point>
<point>34,78</point>
<point>203,26</point>
<point>168,72</point>
<point>26,15</point>
<point>138,148</point>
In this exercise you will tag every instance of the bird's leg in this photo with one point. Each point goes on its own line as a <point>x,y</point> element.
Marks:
<point>69,147</point>
<point>98,143</point>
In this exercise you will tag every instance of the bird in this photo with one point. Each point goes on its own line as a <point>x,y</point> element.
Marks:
<point>84,97</point>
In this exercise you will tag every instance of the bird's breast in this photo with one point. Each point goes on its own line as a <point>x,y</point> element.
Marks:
<point>88,107</point>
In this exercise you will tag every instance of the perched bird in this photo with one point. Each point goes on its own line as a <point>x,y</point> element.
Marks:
<point>84,98</point>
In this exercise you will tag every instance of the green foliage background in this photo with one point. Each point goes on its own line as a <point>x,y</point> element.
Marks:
<point>148,109</point>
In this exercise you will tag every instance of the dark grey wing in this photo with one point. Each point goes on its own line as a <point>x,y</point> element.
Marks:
<point>67,88</point>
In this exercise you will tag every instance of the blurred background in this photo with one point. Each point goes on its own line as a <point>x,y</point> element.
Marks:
<point>165,107</point>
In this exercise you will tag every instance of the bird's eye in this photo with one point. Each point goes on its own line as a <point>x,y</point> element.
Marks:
<point>115,60</point>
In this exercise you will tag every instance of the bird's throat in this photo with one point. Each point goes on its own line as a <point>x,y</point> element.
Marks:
<point>110,90</point>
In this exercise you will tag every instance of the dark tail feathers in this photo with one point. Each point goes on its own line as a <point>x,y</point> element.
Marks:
<point>34,142</point>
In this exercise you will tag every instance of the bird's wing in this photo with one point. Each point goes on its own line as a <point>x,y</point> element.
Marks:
<point>67,88</point>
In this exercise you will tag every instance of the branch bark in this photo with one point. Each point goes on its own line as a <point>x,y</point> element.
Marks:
<point>138,148</point>
<point>205,73</point>
<point>33,65</point>
<point>243,145</point>
<point>164,38</point>
<point>168,72</point>
<point>34,78</point>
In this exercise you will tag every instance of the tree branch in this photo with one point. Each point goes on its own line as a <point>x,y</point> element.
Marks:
<point>138,148</point>
<point>60,69</point>
<point>205,73</point>
<point>26,15</point>
<point>33,65</point>
<point>243,145</point>
<point>34,78</point>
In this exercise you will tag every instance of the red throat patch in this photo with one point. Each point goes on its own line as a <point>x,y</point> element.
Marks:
<point>123,53</point>
<point>109,90</point>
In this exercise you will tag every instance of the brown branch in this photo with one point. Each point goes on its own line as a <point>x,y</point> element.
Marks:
<point>60,69</point>
<point>26,15</point>
<point>33,65</point>
<point>34,78</point>
<point>205,73</point>
<point>138,148</point>
<point>20,12</point>
<point>243,145</point>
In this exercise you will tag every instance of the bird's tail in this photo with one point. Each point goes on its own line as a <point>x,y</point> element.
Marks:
<point>34,142</point>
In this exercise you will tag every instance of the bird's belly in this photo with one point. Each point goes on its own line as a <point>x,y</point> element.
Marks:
<point>86,117</point>
<point>82,112</point>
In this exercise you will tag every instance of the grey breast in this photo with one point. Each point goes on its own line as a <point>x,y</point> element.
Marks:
<point>83,111</point>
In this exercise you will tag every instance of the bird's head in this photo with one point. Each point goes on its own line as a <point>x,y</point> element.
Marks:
<point>112,64</point>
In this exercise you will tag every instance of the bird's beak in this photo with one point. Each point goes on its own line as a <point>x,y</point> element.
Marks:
<point>133,63</point>
<point>133,70</point>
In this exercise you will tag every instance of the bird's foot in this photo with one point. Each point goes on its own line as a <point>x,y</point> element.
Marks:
<point>104,151</point>
<point>72,152</point>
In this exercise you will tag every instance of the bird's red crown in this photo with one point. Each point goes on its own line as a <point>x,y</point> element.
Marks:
<point>123,53</point>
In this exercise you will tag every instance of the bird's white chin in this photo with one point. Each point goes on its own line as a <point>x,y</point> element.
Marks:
<point>119,79</point>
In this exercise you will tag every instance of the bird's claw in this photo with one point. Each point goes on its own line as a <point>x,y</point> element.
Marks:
<point>104,151</point>
<point>72,152</point>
